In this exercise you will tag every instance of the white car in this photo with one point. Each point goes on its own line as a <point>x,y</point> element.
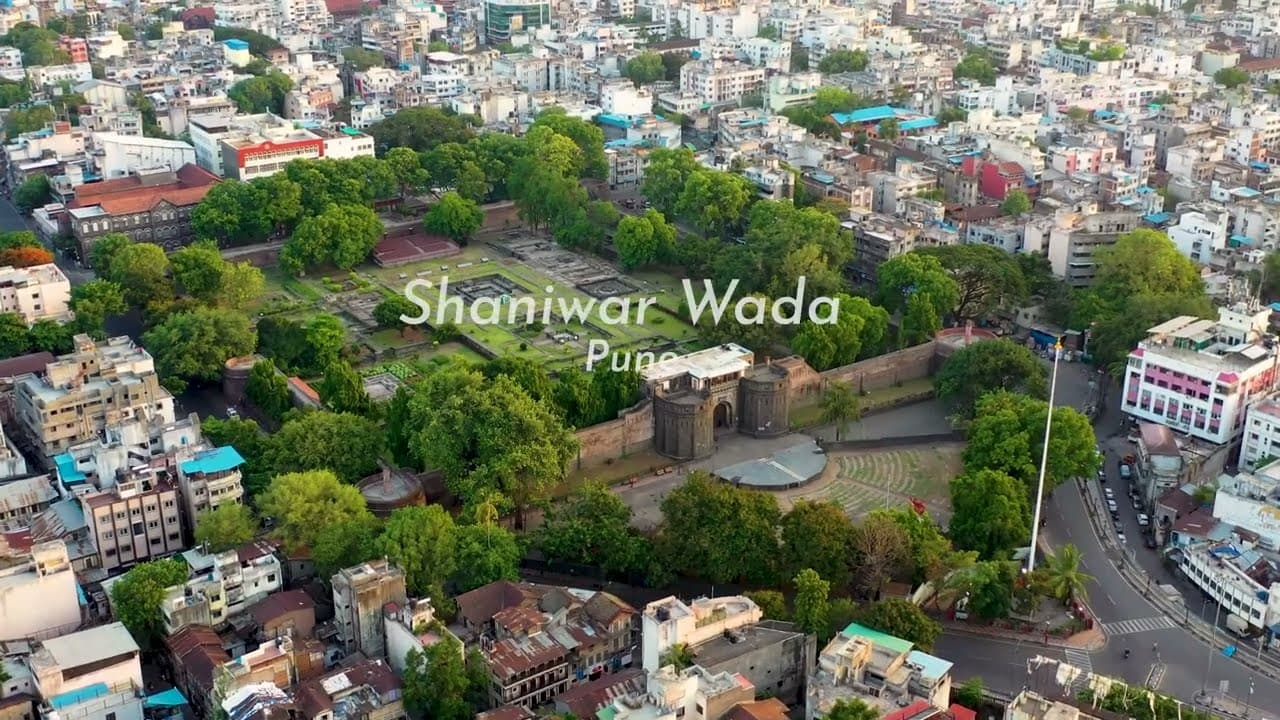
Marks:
<point>1121,537</point>
<point>1143,520</point>
<point>1109,493</point>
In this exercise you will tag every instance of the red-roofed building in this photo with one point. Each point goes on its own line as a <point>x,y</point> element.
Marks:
<point>995,179</point>
<point>152,207</point>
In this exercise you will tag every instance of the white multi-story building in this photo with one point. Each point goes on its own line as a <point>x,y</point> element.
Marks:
<point>671,621</point>
<point>1002,98</point>
<point>94,674</point>
<point>1241,580</point>
<point>626,100</point>
<point>1198,377</point>
<point>223,586</point>
<point>717,81</point>
<point>122,155</point>
<point>1261,435</point>
<point>39,292</point>
<point>40,598</point>
<point>1201,233</point>
<point>42,76</point>
<point>11,64</point>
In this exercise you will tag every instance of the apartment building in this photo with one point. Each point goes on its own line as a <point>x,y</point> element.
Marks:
<point>1241,580</point>
<point>121,155</point>
<point>223,586</point>
<point>890,188</point>
<point>11,64</point>
<point>1077,236</point>
<point>505,19</point>
<point>209,479</point>
<point>94,674</point>
<point>718,81</point>
<point>368,690</point>
<point>1199,376</point>
<point>131,442</point>
<point>138,519</point>
<point>39,598</point>
<point>671,621</point>
<point>81,393</point>
<point>39,292</point>
<point>1201,232</point>
<point>1261,434</point>
<point>254,146</point>
<point>359,595</point>
<point>151,205</point>
<point>878,237</point>
<point>692,693</point>
<point>881,670</point>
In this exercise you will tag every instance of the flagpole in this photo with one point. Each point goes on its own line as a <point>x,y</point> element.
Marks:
<point>1044,460</point>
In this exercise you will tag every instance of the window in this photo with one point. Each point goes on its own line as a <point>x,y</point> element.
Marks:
<point>271,578</point>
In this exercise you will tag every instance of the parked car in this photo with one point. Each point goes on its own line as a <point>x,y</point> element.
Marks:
<point>1125,471</point>
<point>1137,504</point>
<point>1111,495</point>
<point>1119,527</point>
<point>1121,537</point>
<point>1151,542</point>
<point>1102,475</point>
<point>232,413</point>
<point>1143,520</point>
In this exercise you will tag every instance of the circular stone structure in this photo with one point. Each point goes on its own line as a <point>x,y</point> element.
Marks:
<point>950,340</point>
<point>391,490</point>
<point>235,375</point>
<point>765,402</point>
<point>683,425</point>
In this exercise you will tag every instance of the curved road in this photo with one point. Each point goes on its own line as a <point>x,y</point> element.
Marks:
<point>1129,619</point>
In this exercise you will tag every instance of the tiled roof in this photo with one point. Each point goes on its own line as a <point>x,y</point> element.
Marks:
<point>124,196</point>
<point>198,649</point>
<point>277,604</point>
<point>584,700</point>
<point>770,709</point>
<point>23,364</point>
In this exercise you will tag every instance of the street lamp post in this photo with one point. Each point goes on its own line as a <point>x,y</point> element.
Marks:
<point>1044,460</point>
<point>1208,666</point>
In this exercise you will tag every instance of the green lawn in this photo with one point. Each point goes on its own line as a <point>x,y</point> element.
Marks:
<point>807,416</point>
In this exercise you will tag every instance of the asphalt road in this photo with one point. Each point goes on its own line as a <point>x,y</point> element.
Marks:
<point>1128,618</point>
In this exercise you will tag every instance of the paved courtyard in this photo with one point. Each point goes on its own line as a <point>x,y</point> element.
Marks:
<point>865,480</point>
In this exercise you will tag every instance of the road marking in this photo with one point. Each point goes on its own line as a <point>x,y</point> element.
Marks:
<point>1080,659</point>
<point>1156,676</point>
<point>1141,625</point>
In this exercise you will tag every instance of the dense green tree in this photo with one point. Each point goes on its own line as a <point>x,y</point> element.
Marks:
<point>950,114</point>
<point>888,129</point>
<point>991,514</point>
<point>980,368</point>
<point>268,390</point>
<point>421,128</point>
<point>903,619</point>
<point>842,61</point>
<point>423,541</point>
<point>226,527</point>
<point>342,236</point>
<point>987,278</point>
<point>545,197</point>
<point>852,709</point>
<point>976,65</point>
<point>342,390</point>
<point>436,684</point>
<point>1015,204</point>
<point>1007,434</point>
<point>197,269</point>
<point>345,445</point>
<point>593,527</point>
<point>930,550</point>
<point>859,331</point>
<point>714,201</point>
<point>454,217</point>
<point>497,437</point>
<point>666,176</point>
<point>920,320</point>
<point>240,284</point>
<point>14,93</point>
<point>142,269</point>
<point>588,137</point>
<point>969,694</point>
<point>247,438</point>
<point>14,339</point>
<point>51,336</point>
<point>406,165</point>
<point>35,191</point>
<point>104,250</point>
<point>645,68</point>
<point>259,44</point>
<point>344,544</point>
<point>303,503</point>
<point>719,532</point>
<point>486,552</point>
<point>195,345</point>
<point>388,312</point>
<point>136,598</point>
<point>771,602</point>
<point>915,273</point>
<point>990,588</point>
<point>840,406</point>
<point>264,93</point>
<point>818,535</point>
<point>635,242</point>
<point>325,336</point>
<point>361,59</point>
<point>811,603</point>
<point>1144,262</point>
<point>1231,77</point>
<point>575,395</point>
<point>840,613</point>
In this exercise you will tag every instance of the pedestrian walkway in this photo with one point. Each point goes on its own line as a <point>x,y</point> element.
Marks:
<point>1141,625</point>
<point>1082,660</point>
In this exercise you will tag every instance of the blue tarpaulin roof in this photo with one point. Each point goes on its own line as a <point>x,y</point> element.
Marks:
<point>917,124</point>
<point>75,697</point>
<point>865,115</point>
<point>214,461</point>
<point>172,697</point>
<point>1157,218</point>
<point>621,121</point>
<point>81,596</point>
<point>67,471</point>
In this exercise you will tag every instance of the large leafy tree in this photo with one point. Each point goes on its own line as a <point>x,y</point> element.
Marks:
<point>136,598</point>
<point>142,269</point>
<point>645,68</point>
<point>226,527</point>
<point>497,437</point>
<point>423,541</point>
<point>50,336</point>
<point>263,93</point>
<point>987,278</point>
<point>345,445</point>
<point>644,239</point>
<point>344,544</point>
<point>304,503</point>
<point>104,250</point>
<point>714,201</point>
<point>990,514</point>
<point>665,177</point>
<point>454,217</point>
<point>817,535</point>
<point>588,137</point>
<point>1007,434</point>
<point>719,532</point>
<point>860,330</point>
<point>811,604</point>
<point>920,320</point>
<point>268,390</point>
<point>486,552</point>
<point>421,128</point>
<point>436,683</point>
<point>852,709</point>
<point>900,278</point>
<point>342,390</point>
<point>903,619</point>
<point>388,312</point>
<point>930,550</point>
<point>881,550</point>
<point>593,527</point>
<point>341,235</point>
<point>14,338</point>
<point>980,368</point>
<point>198,270</point>
<point>196,345</point>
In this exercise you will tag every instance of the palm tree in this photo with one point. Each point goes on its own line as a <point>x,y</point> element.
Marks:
<point>840,406</point>
<point>1063,578</point>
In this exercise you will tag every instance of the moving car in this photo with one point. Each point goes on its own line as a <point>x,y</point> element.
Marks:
<point>1121,537</point>
<point>1125,471</point>
<point>1143,520</point>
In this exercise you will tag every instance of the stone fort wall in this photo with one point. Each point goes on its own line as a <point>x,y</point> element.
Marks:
<point>633,430</point>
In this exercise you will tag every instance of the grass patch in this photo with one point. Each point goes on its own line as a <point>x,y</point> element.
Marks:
<point>617,472</point>
<point>807,416</point>
<point>302,290</point>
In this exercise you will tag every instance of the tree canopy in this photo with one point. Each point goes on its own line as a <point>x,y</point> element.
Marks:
<point>1007,434</point>
<point>982,367</point>
<point>136,598</point>
<point>302,504</point>
<point>718,532</point>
